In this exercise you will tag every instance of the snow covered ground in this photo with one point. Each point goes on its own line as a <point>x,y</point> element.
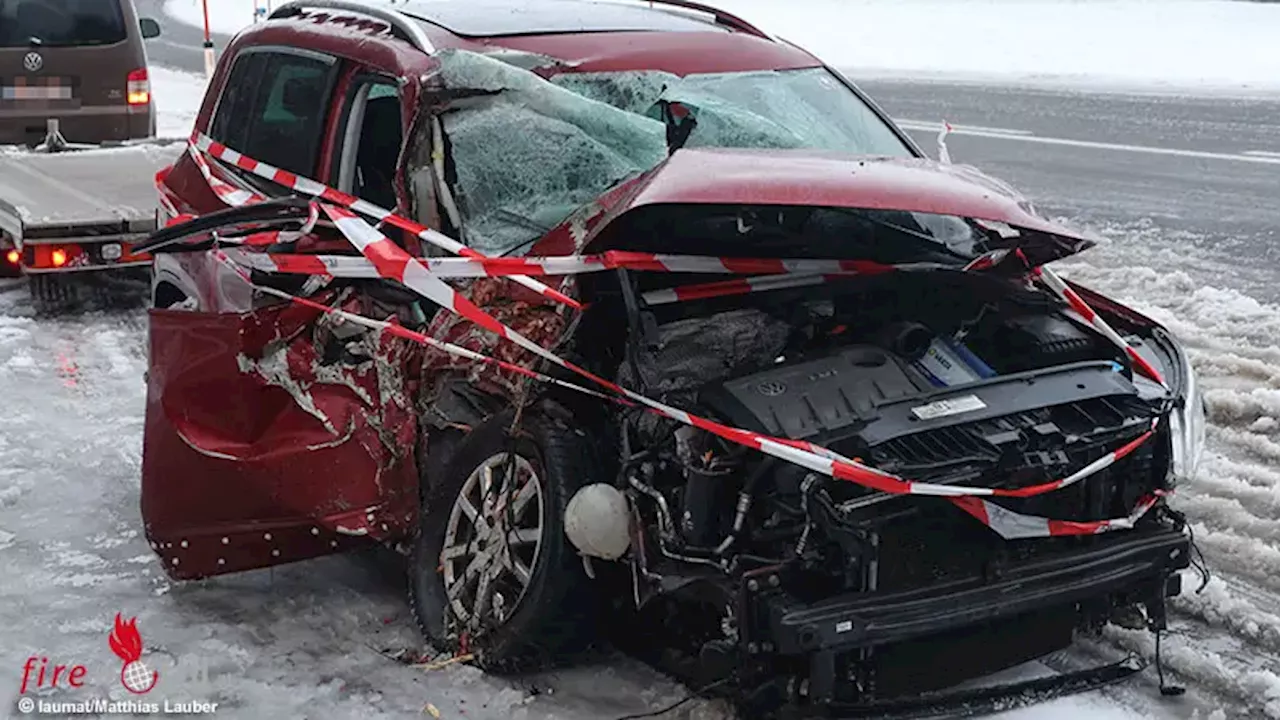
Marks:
<point>302,640</point>
<point>1176,45</point>
<point>177,96</point>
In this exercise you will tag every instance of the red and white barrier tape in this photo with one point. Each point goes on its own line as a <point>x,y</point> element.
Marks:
<point>396,264</point>
<point>306,186</point>
<point>359,267</point>
<point>393,262</point>
<point>1077,303</point>
<point>1008,524</point>
<point>739,286</point>
<point>236,197</point>
<point>1016,526</point>
<point>395,328</point>
<point>225,191</point>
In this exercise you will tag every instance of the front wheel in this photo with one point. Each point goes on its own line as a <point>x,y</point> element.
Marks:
<point>492,568</point>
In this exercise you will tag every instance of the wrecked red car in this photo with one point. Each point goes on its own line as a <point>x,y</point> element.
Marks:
<point>628,321</point>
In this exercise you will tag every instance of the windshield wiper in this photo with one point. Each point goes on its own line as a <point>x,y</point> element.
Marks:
<point>523,220</point>
<point>679,120</point>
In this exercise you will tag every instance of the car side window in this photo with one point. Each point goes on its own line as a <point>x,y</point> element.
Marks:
<point>371,141</point>
<point>236,104</point>
<point>274,108</point>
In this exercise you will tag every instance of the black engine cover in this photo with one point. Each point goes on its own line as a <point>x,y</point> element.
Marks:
<point>866,393</point>
<point>816,396</point>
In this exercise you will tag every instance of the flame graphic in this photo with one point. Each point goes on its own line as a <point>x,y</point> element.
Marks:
<point>125,641</point>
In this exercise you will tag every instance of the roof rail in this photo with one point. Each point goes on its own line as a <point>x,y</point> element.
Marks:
<point>401,26</point>
<point>722,18</point>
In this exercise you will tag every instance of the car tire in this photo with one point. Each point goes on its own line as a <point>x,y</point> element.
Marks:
<point>551,619</point>
<point>435,450</point>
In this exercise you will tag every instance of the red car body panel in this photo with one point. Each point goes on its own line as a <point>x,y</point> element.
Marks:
<point>282,456</point>
<point>265,444</point>
<point>800,178</point>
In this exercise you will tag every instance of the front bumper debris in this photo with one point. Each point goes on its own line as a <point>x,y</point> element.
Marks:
<point>867,619</point>
<point>860,648</point>
<point>978,701</point>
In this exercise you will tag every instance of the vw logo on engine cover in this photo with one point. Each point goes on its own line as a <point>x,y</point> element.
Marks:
<point>771,388</point>
<point>33,62</point>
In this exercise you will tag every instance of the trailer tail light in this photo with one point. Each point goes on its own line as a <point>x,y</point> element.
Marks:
<point>12,257</point>
<point>138,88</point>
<point>40,258</point>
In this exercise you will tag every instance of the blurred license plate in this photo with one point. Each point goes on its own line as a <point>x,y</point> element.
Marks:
<point>112,251</point>
<point>36,92</point>
<point>37,88</point>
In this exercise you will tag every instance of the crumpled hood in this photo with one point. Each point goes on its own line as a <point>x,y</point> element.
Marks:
<point>705,176</point>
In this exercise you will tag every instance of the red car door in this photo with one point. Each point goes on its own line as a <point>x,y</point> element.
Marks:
<point>273,435</point>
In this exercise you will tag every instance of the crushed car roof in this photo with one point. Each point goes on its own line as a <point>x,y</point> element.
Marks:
<point>498,18</point>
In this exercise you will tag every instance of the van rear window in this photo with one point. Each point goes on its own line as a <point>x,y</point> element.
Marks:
<point>60,23</point>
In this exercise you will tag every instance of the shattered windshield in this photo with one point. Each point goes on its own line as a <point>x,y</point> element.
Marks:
<point>776,109</point>
<point>531,151</point>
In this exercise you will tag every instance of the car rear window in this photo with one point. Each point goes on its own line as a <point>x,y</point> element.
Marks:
<point>61,23</point>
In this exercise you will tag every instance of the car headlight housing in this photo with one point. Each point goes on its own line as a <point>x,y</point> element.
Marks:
<point>1187,426</point>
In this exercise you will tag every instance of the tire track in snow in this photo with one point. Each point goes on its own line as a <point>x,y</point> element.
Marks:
<point>1231,406</point>
<point>1254,488</point>
<point>1248,612</point>
<point>1252,691</point>
<point>1220,513</point>
<point>1259,446</point>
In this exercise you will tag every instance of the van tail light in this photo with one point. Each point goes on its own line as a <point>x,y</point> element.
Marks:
<point>138,89</point>
<point>12,257</point>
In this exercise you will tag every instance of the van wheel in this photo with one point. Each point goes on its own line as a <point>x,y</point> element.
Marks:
<point>492,572</point>
<point>51,293</point>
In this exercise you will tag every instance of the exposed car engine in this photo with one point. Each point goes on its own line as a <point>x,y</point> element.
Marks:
<point>934,381</point>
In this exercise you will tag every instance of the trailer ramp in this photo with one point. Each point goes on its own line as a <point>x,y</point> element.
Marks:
<point>78,211</point>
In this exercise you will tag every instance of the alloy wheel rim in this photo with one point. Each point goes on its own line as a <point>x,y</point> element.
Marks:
<point>492,541</point>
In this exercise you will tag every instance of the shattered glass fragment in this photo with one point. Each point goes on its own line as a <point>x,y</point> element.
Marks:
<point>526,158</point>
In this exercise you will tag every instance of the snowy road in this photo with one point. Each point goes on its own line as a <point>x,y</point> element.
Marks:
<point>1191,239</point>
<point>1196,172</point>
